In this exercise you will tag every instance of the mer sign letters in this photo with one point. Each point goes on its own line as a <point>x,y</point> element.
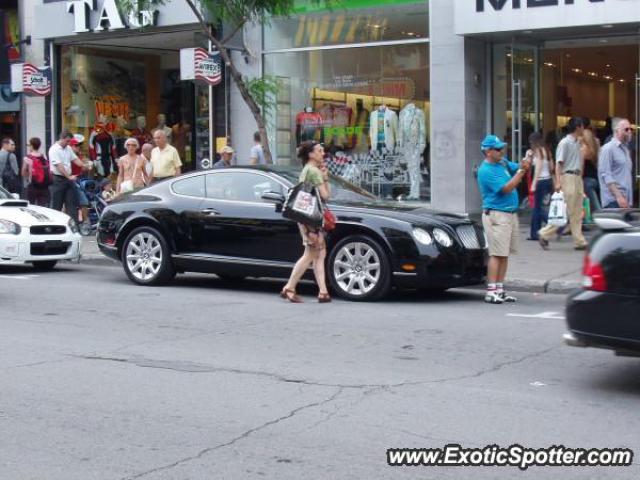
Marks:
<point>499,4</point>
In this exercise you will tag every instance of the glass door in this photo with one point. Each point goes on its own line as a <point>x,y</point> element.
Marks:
<point>516,109</point>
<point>637,129</point>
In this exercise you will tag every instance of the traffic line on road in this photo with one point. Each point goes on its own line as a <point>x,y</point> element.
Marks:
<point>549,315</point>
<point>19,277</point>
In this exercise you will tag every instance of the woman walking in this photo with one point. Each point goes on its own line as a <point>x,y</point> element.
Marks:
<point>36,174</point>
<point>590,149</point>
<point>131,172</point>
<point>315,172</point>
<point>542,183</point>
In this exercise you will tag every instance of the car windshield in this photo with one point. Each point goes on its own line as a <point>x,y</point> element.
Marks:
<point>4,195</point>
<point>341,190</point>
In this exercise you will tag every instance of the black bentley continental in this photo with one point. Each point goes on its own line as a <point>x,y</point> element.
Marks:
<point>229,222</point>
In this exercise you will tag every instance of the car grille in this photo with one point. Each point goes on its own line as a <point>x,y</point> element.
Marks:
<point>471,238</point>
<point>50,248</point>
<point>48,230</point>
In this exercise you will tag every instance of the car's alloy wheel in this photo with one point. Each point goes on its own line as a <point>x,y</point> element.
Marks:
<point>145,257</point>
<point>358,269</point>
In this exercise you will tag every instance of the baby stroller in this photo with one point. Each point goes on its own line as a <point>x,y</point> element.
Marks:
<point>92,189</point>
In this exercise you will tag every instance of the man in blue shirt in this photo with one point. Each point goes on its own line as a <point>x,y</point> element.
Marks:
<point>498,179</point>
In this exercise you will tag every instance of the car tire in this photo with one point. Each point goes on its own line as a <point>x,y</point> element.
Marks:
<point>358,269</point>
<point>45,265</point>
<point>146,257</point>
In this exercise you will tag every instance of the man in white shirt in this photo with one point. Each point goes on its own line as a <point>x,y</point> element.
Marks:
<point>62,188</point>
<point>165,159</point>
<point>257,154</point>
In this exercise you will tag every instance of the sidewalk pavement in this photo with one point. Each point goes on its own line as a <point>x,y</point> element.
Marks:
<point>557,270</point>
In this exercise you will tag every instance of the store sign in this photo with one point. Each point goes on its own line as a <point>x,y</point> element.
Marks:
<point>494,16</point>
<point>198,64</point>
<point>31,80</point>
<point>112,106</point>
<point>499,4</point>
<point>109,16</point>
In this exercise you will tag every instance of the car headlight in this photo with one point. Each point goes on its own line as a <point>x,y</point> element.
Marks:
<point>72,226</point>
<point>442,237</point>
<point>9,228</point>
<point>422,236</point>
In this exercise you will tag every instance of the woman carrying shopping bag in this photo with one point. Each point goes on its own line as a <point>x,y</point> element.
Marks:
<point>314,174</point>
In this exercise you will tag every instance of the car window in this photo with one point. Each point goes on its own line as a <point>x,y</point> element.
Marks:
<point>240,186</point>
<point>192,186</point>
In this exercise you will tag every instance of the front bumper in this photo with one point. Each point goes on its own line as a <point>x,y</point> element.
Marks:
<point>603,320</point>
<point>28,248</point>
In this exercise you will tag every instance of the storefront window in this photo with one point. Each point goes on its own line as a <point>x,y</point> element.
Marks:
<point>108,96</point>
<point>368,105</point>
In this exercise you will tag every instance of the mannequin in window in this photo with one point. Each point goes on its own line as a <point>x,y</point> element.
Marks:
<point>308,126</point>
<point>102,148</point>
<point>162,125</point>
<point>360,124</point>
<point>141,133</point>
<point>120,134</point>
<point>412,139</point>
<point>383,129</point>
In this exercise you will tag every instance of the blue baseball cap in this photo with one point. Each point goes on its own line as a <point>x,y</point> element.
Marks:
<point>492,141</point>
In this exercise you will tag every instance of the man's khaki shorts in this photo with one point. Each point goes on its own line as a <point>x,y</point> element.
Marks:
<point>503,232</point>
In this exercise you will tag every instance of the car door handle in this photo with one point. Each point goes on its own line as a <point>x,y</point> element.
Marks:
<point>209,211</point>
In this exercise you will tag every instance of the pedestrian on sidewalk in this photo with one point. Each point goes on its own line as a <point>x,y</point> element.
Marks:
<point>146,150</point>
<point>131,172</point>
<point>568,171</point>
<point>79,172</point>
<point>36,174</point>
<point>256,157</point>
<point>542,183</point>
<point>226,155</point>
<point>165,159</point>
<point>63,186</point>
<point>315,173</point>
<point>615,168</point>
<point>9,172</point>
<point>590,149</point>
<point>498,180</point>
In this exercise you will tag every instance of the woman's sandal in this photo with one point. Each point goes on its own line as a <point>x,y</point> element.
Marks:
<point>290,295</point>
<point>324,298</point>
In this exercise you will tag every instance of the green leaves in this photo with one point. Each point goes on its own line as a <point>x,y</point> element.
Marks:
<point>264,91</point>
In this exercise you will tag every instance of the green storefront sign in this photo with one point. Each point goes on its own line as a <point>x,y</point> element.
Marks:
<point>309,6</point>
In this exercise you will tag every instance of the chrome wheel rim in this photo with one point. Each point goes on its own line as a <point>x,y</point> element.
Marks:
<point>356,268</point>
<point>144,256</point>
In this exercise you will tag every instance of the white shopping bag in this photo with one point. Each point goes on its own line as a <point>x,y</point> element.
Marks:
<point>557,210</point>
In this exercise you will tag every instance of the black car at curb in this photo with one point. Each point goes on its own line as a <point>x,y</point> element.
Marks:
<point>228,222</point>
<point>605,313</point>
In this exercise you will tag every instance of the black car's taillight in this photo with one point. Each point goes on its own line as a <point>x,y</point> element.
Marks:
<point>593,275</point>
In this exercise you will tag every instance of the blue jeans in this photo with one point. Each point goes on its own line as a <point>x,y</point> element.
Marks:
<point>613,204</point>
<point>592,190</point>
<point>539,215</point>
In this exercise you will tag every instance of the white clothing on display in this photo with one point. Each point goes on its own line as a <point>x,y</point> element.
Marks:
<point>412,139</point>
<point>390,128</point>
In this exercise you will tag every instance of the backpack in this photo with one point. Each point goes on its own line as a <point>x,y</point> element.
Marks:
<point>40,174</point>
<point>9,178</point>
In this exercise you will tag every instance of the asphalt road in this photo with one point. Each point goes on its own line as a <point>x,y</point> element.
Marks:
<point>100,379</point>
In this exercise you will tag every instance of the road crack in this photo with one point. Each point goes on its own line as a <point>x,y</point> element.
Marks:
<point>238,438</point>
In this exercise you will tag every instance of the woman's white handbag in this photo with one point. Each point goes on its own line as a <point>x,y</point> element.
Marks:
<point>557,210</point>
<point>126,186</point>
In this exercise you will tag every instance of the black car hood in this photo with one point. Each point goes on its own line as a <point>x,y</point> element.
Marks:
<point>410,213</point>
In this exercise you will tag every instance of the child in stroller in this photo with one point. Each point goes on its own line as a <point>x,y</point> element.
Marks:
<point>93,189</point>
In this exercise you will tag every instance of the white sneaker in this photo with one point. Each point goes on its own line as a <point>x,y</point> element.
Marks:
<point>493,297</point>
<point>507,298</point>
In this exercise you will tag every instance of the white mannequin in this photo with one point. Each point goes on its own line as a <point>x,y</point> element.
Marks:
<point>390,128</point>
<point>412,138</point>
<point>162,125</point>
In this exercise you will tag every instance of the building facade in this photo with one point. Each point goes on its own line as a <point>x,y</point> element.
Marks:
<point>399,91</point>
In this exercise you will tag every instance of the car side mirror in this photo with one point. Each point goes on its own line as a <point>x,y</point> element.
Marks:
<point>274,197</point>
<point>15,196</point>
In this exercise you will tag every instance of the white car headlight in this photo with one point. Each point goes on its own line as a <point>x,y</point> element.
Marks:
<point>72,226</point>
<point>9,228</point>
<point>422,236</point>
<point>442,237</point>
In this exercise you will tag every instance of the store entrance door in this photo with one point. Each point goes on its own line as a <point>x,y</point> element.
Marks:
<point>516,107</point>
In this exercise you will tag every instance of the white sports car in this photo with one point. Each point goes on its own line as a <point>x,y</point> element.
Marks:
<point>37,235</point>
